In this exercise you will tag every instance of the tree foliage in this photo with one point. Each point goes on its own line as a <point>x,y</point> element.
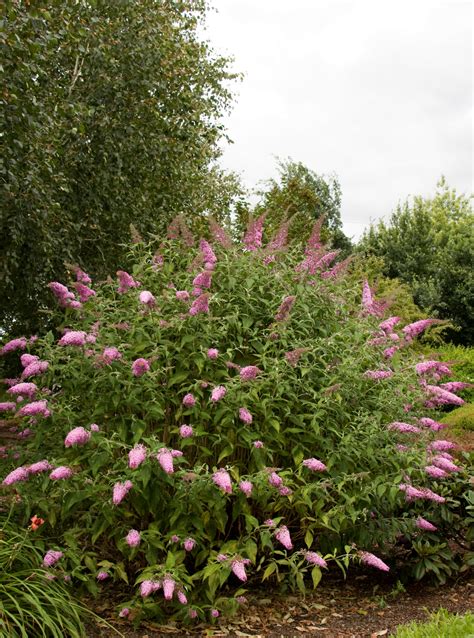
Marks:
<point>429,244</point>
<point>301,197</point>
<point>110,115</point>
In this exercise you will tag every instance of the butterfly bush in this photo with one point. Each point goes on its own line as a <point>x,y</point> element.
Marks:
<point>251,398</point>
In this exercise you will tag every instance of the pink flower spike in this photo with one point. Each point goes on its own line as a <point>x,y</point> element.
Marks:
<point>126,281</point>
<point>258,444</point>
<point>120,491</point>
<point>373,561</point>
<point>221,558</point>
<point>200,305</point>
<point>140,367</point>
<point>77,436</point>
<point>51,558</point>
<point>40,466</point>
<point>283,536</point>
<point>435,472</point>
<point>213,353</point>
<point>441,445</point>
<point>275,480</point>
<point>314,465</point>
<point>110,354</point>
<point>133,538</point>
<point>102,576</point>
<point>218,393</point>
<point>425,525</point>
<point>189,544</point>
<point>168,587</point>
<point>238,568</point>
<point>7,406</point>
<point>14,344</point>
<point>20,474</point>
<point>25,389</point>
<point>94,427</point>
<point>189,400</point>
<point>147,299</point>
<point>146,588</point>
<point>248,373</point>
<point>73,338</point>
<point>222,479</point>
<point>215,613</point>
<point>61,473</point>
<point>186,431</point>
<point>245,416</point>
<point>124,613</point>
<point>181,596</point>
<point>182,295</point>
<point>35,408</point>
<point>315,559</point>
<point>246,487</point>
<point>136,456</point>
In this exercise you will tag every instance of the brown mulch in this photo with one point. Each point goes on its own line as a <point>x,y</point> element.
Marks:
<point>361,607</point>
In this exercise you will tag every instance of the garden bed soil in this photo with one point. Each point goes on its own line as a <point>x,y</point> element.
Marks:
<point>363,606</point>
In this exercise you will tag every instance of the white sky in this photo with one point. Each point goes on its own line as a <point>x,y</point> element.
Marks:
<point>379,93</point>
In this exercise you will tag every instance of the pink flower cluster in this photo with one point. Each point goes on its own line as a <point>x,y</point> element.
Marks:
<point>32,366</point>
<point>425,525</point>
<point>282,535</point>
<point>126,282</point>
<point>285,308</point>
<point>165,459</point>
<point>207,254</point>
<point>182,295</point>
<point>245,416</point>
<point>140,367</point>
<point>414,493</point>
<point>253,236</point>
<point>315,559</point>
<point>120,491</point>
<point>248,373</point>
<point>378,374</point>
<point>133,538</point>
<point>84,292</point>
<point>36,408</point>
<point>218,393</point>
<point>405,428</point>
<point>200,305</point>
<point>77,436</point>
<point>51,557</point>
<point>433,367</point>
<point>110,354</point>
<point>61,473</point>
<point>223,481</point>
<point>238,568</point>
<point>64,296</point>
<point>24,389</point>
<point>440,396</point>
<point>185,431</point>
<point>314,465</point>
<point>136,456</point>
<point>189,400</point>
<point>14,344</point>
<point>293,356</point>
<point>373,561</point>
<point>213,353</point>
<point>147,299</point>
<point>246,487</point>
<point>412,330</point>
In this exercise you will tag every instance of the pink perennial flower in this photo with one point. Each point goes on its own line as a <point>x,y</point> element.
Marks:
<point>110,354</point>
<point>189,544</point>
<point>147,299</point>
<point>181,596</point>
<point>373,561</point>
<point>38,467</point>
<point>245,416</point>
<point>20,474</point>
<point>258,444</point>
<point>315,559</point>
<point>246,487</point>
<point>126,282</point>
<point>94,427</point>
<point>238,568</point>
<point>207,254</point>
<point>61,473</point>
<point>136,456</point>
<point>434,367</point>
<point>435,472</point>
<point>82,276</point>
<point>84,292</point>
<point>26,359</point>
<point>36,408</point>
<point>186,431</point>
<point>282,535</point>
<point>388,325</point>
<point>168,587</point>
<point>314,465</point>
<point>120,491</point>
<point>445,464</point>
<point>165,459</point>
<point>51,557</point>
<point>147,587</point>
<point>102,575</point>
<point>218,393</point>
<point>378,374</point>
<point>182,295</point>
<point>64,296</point>
<point>124,613</point>
<point>248,373</point>
<point>425,525</point>
<point>213,353</point>
<point>412,330</point>
<point>441,445</point>
<point>215,613</point>
<point>140,367</point>
<point>275,480</point>
<point>285,308</point>
<point>404,427</point>
<point>285,491</point>
<point>7,406</point>
<point>77,436</point>
<point>440,396</point>
<point>34,369</point>
<point>73,338</point>
<point>189,400</point>
<point>24,389</point>
<point>200,305</point>
<point>221,558</point>
<point>456,386</point>
<point>14,344</point>
<point>253,236</point>
<point>431,424</point>
<point>133,538</point>
<point>389,352</point>
<point>203,280</point>
<point>222,479</point>
<point>293,356</point>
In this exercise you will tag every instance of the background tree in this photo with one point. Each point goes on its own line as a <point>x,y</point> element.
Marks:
<point>429,244</point>
<point>301,196</point>
<point>109,115</point>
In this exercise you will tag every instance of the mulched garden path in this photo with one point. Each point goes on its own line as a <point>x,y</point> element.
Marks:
<point>363,606</point>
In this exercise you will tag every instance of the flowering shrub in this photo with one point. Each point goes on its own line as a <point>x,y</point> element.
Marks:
<point>243,419</point>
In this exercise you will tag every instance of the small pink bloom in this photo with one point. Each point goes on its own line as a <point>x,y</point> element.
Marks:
<point>213,353</point>
<point>245,416</point>
<point>136,456</point>
<point>120,491</point>
<point>238,568</point>
<point>182,295</point>
<point>35,368</point>
<point>441,445</point>
<point>77,436</point>
<point>189,544</point>
<point>124,613</point>
<point>248,373</point>
<point>246,487</point>
<point>126,281</point>
<point>14,344</point>
<point>40,466</point>
<point>315,559</point>
<point>282,535</point>
<point>435,472</point>
<point>221,558</point>
<point>192,613</point>
<point>200,305</point>
<point>425,525</point>
<point>165,459</point>
<point>185,431</point>
<point>94,427</point>
<point>20,474</point>
<point>133,538</point>
<point>102,576</point>
<point>215,613</point>
<point>110,354</point>
<point>270,522</point>
<point>51,558</point>
<point>275,480</point>
<point>174,538</point>
<point>35,408</point>
<point>73,338</point>
<point>285,491</point>
<point>25,389</point>
<point>61,473</point>
<point>7,406</point>
<point>373,561</point>
<point>140,367</point>
<point>181,596</point>
<point>168,587</point>
<point>218,393</point>
<point>314,465</point>
<point>258,444</point>
<point>378,374</point>
<point>147,298</point>
<point>189,401</point>
<point>222,479</point>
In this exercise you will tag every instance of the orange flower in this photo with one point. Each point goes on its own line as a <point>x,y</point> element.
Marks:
<point>36,522</point>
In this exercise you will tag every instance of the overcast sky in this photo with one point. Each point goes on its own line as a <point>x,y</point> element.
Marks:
<point>379,93</point>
